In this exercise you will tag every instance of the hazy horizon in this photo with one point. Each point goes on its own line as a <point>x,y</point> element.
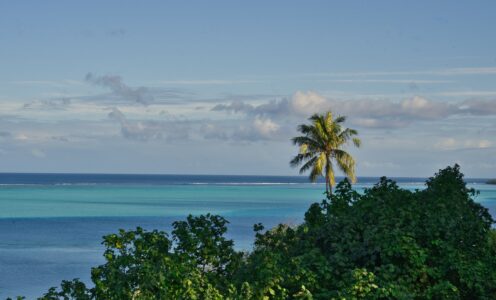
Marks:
<point>320,180</point>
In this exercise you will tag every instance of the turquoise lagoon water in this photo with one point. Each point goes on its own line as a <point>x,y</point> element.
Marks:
<point>51,224</point>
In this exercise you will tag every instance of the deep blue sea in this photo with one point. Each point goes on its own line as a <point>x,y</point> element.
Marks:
<point>51,224</point>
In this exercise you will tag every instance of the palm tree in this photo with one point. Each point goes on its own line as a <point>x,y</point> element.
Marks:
<point>322,143</point>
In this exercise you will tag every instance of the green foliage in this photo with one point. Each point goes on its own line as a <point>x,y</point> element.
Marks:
<point>200,241</point>
<point>387,243</point>
<point>194,264</point>
<point>74,289</point>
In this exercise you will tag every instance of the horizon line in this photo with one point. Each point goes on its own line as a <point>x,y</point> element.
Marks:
<point>236,175</point>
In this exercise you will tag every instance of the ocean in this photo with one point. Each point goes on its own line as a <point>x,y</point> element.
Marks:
<point>51,225</point>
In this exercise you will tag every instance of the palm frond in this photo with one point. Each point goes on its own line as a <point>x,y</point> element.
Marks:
<point>318,167</point>
<point>309,164</point>
<point>311,143</point>
<point>346,134</point>
<point>321,142</point>
<point>298,159</point>
<point>304,128</point>
<point>320,131</point>
<point>314,174</point>
<point>346,163</point>
<point>340,119</point>
<point>330,173</point>
<point>357,142</point>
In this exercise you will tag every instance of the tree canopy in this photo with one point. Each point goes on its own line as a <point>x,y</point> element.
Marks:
<point>386,243</point>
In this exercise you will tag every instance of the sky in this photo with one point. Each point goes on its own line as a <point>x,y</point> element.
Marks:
<point>219,87</point>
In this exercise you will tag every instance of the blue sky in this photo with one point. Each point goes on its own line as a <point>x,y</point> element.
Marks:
<point>219,87</point>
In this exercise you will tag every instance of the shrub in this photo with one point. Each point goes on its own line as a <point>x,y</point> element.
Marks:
<point>388,243</point>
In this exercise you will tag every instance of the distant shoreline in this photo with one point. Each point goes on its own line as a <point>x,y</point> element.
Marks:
<point>491,181</point>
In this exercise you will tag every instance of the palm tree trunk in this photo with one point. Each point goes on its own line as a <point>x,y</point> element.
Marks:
<point>328,184</point>
<point>328,187</point>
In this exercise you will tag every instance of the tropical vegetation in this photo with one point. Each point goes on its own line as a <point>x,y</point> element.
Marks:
<point>384,243</point>
<point>323,142</point>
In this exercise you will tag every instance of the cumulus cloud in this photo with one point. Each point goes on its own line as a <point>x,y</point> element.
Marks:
<point>265,127</point>
<point>307,103</point>
<point>258,129</point>
<point>423,108</point>
<point>120,89</point>
<point>406,110</point>
<point>135,130</point>
<point>175,128</point>
<point>272,107</point>
<point>149,129</point>
<point>235,107</point>
<point>479,106</point>
<point>373,113</point>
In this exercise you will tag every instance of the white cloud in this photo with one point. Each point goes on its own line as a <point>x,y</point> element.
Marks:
<point>144,130</point>
<point>21,137</point>
<point>423,108</point>
<point>479,106</point>
<point>308,103</point>
<point>135,130</point>
<point>446,144</point>
<point>481,144</point>
<point>455,144</point>
<point>374,113</point>
<point>265,127</point>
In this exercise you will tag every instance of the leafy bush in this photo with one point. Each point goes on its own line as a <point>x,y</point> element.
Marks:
<point>387,243</point>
